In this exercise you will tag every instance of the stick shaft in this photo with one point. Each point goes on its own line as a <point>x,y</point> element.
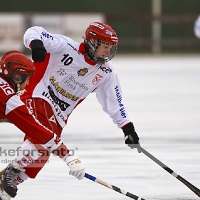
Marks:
<point>112,187</point>
<point>184,181</point>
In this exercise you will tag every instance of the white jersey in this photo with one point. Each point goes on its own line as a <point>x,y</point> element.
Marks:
<point>67,77</point>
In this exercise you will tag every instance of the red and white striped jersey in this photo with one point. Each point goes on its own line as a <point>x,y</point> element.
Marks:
<point>12,108</point>
<point>67,77</point>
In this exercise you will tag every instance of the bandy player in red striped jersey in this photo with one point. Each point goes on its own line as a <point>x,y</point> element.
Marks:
<point>15,72</point>
<point>66,73</point>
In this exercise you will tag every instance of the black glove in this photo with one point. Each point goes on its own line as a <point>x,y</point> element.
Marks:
<point>131,138</point>
<point>38,51</point>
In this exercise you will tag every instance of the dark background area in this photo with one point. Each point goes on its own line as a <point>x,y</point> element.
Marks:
<point>131,19</point>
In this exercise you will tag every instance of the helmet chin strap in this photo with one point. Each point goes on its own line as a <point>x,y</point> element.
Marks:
<point>19,90</point>
<point>18,87</point>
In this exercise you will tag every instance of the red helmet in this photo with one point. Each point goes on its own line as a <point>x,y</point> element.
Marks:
<point>98,33</point>
<point>102,32</point>
<point>16,66</point>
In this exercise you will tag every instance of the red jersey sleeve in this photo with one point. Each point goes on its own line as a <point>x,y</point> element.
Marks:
<point>12,108</point>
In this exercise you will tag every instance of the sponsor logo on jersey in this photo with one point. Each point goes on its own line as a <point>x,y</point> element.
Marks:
<point>63,105</point>
<point>56,107</point>
<point>96,79</point>
<point>57,140</point>
<point>46,35</point>
<point>82,72</point>
<point>62,72</point>
<point>52,119</point>
<point>74,48</point>
<point>6,87</point>
<point>62,91</point>
<point>29,105</point>
<point>119,99</point>
<point>72,83</point>
<point>105,69</point>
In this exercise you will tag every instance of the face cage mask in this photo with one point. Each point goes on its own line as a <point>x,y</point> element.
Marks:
<point>18,78</point>
<point>95,47</point>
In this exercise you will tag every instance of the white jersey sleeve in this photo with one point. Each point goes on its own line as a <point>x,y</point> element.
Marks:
<point>53,43</point>
<point>197,27</point>
<point>109,96</point>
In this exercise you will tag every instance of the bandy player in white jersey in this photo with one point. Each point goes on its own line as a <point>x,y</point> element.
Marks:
<point>66,73</point>
<point>197,27</point>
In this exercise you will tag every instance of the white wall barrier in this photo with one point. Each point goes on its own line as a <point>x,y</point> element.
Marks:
<point>72,25</point>
<point>13,26</point>
<point>11,31</point>
<point>76,24</point>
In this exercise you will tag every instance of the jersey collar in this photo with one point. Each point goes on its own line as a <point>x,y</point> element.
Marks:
<point>82,51</point>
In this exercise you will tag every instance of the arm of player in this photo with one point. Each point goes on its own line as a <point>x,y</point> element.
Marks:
<point>130,136</point>
<point>41,41</point>
<point>73,162</point>
<point>110,97</point>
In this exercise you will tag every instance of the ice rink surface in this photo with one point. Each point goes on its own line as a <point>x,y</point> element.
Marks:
<point>162,97</point>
